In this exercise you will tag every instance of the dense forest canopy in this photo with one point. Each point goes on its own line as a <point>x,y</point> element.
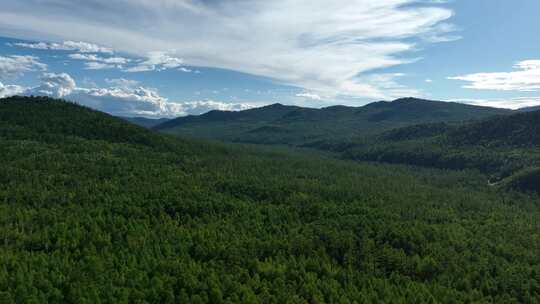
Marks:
<point>96,210</point>
<point>505,147</point>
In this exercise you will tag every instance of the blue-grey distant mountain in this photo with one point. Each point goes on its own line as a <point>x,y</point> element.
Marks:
<point>281,124</point>
<point>146,122</point>
<point>529,109</point>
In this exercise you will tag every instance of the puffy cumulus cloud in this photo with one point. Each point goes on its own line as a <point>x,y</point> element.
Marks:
<point>16,65</point>
<point>141,101</point>
<point>55,85</point>
<point>83,47</point>
<point>526,78</point>
<point>123,98</point>
<point>10,90</point>
<point>203,106</point>
<point>318,45</point>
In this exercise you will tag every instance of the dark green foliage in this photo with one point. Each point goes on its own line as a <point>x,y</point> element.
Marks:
<point>291,125</point>
<point>500,146</point>
<point>49,118</point>
<point>518,130</point>
<point>525,180</point>
<point>89,217</point>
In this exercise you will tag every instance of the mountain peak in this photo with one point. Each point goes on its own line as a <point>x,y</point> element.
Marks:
<point>275,105</point>
<point>410,99</point>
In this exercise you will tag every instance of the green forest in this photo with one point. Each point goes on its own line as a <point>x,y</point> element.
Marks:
<point>94,209</point>
<point>506,148</point>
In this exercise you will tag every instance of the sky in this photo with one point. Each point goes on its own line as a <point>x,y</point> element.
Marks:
<point>168,58</point>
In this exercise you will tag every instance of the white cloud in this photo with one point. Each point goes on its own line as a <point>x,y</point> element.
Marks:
<point>442,32</point>
<point>95,62</point>
<point>124,98</point>
<point>158,61</point>
<point>10,90</point>
<point>527,78</point>
<point>318,45</point>
<point>122,82</point>
<point>83,47</point>
<point>141,101</point>
<point>55,85</point>
<point>98,66</point>
<point>387,82</point>
<point>508,103</point>
<point>203,106</point>
<point>15,65</point>
<point>428,80</point>
<point>96,58</point>
<point>308,95</point>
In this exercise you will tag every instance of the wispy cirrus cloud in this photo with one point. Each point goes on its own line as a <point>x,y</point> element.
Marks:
<point>95,62</point>
<point>16,65</point>
<point>93,57</point>
<point>158,61</point>
<point>526,78</point>
<point>319,45</point>
<point>79,46</point>
<point>153,61</point>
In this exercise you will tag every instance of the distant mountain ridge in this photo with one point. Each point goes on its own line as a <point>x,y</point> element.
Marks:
<point>529,109</point>
<point>294,125</point>
<point>146,122</point>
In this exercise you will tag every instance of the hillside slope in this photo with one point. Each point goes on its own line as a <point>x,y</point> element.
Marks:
<point>501,146</point>
<point>87,216</point>
<point>279,124</point>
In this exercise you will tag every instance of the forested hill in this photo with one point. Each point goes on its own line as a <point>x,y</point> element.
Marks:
<point>279,124</point>
<point>94,209</point>
<point>46,118</point>
<point>522,129</point>
<point>505,147</point>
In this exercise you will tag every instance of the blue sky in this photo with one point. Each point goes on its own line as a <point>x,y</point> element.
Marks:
<point>176,57</point>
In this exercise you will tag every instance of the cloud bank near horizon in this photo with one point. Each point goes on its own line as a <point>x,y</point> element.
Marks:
<point>123,98</point>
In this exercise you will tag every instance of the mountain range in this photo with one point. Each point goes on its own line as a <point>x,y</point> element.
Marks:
<point>293,125</point>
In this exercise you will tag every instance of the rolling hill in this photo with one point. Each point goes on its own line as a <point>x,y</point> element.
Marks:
<point>292,125</point>
<point>502,146</point>
<point>95,209</point>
